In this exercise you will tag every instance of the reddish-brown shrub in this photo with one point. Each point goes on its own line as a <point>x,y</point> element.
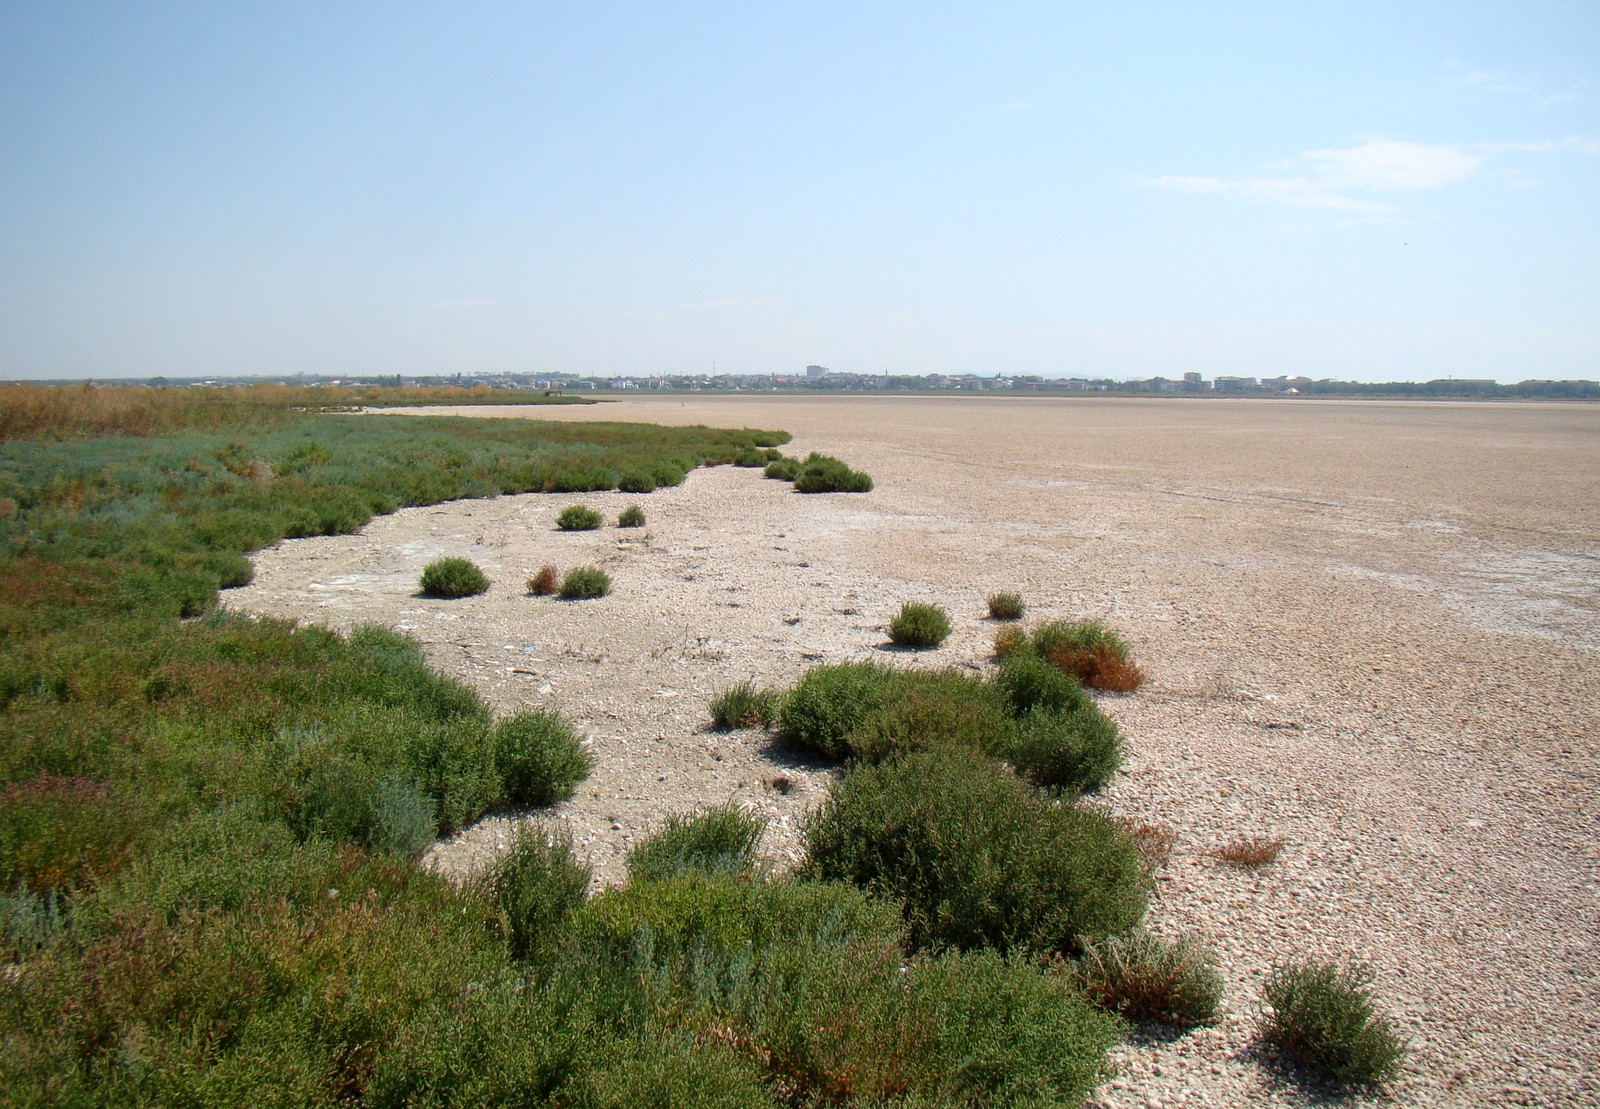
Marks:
<point>1097,667</point>
<point>1249,851</point>
<point>545,582</point>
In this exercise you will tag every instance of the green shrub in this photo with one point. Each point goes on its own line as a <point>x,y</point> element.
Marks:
<point>782,469</point>
<point>754,456</point>
<point>918,710</point>
<point>637,481</point>
<point>631,517</point>
<point>1325,1016</point>
<point>721,840</point>
<point>1144,978</point>
<point>1090,652</point>
<point>453,577</point>
<point>1077,749</point>
<point>744,706</point>
<point>64,833</point>
<point>575,517</point>
<point>977,859</point>
<point>919,626</point>
<point>1006,606</point>
<point>1028,682</point>
<point>545,582</point>
<point>829,703</point>
<point>534,887</point>
<point>585,583</point>
<point>402,820</point>
<point>821,473</point>
<point>1009,641</point>
<point>538,757</point>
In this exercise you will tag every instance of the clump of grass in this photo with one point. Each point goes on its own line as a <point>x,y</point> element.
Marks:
<point>585,583</point>
<point>534,887</point>
<point>744,706</point>
<point>1144,978</point>
<point>976,857</point>
<point>1156,842</point>
<point>782,469</point>
<point>756,456</point>
<point>538,757</point>
<point>721,840</point>
<point>577,517</point>
<point>1325,1016</point>
<point>1006,606</point>
<point>545,583</point>
<point>631,517</point>
<point>1250,851</point>
<point>821,473</point>
<point>453,577</point>
<point>919,626</point>
<point>1088,650</point>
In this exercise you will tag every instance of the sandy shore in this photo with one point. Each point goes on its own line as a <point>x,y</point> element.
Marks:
<point>1372,631</point>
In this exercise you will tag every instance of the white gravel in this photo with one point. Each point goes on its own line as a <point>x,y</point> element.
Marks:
<point>1371,632</point>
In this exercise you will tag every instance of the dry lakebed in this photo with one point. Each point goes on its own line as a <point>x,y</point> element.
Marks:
<point>1371,632</point>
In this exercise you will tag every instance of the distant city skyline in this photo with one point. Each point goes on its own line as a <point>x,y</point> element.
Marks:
<point>1398,192</point>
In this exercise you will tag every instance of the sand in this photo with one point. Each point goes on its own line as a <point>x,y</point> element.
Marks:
<point>1372,632</point>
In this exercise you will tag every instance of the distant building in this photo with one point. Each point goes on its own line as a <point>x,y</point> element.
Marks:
<point>1193,383</point>
<point>816,371</point>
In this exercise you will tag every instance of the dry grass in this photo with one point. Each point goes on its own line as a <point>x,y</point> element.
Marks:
<point>1249,851</point>
<point>1007,640</point>
<point>1096,667</point>
<point>545,582</point>
<point>1156,842</point>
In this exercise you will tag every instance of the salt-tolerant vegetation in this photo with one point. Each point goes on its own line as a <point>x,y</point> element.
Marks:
<point>210,826</point>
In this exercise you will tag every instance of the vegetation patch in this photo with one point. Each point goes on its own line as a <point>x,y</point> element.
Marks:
<point>577,517</point>
<point>1250,852</point>
<point>721,840</point>
<point>782,469</point>
<point>1325,1016</point>
<point>631,517</point>
<point>744,706</point>
<point>1088,650</point>
<point>585,583</point>
<point>1145,978</point>
<point>1006,606</point>
<point>977,859</point>
<point>919,626</point>
<point>534,887</point>
<point>453,577</point>
<point>821,473</point>
<point>545,583</point>
<point>539,757</point>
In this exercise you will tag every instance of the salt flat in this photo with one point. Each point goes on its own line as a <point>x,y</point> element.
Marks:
<point>1372,631</point>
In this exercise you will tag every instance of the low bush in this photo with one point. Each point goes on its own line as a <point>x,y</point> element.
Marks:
<point>1090,652</point>
<point>1144,978</point>
<point>1008,641</point>
<point>744,706</point>
<point>631,517</point>
<point>1077,749</point>
<point>576,517</point>
<point>919,626</point>
<point>637,481</point>
<point>1006,606</point>
<point>829,703</point>
<point>917,710</point>
<point>545,583</point>
<point>538,757</point>
<point>533,888</point>
<point>1028,682</point>
<point>821,473</point>
<point>1325,1016</point>
<point>1250,851</point>
<point>453,577</point>
<point>585,583</point>
<point>976,858</point>
<point>782,469</point>
<point>755,456</point>
<point>721,840</point>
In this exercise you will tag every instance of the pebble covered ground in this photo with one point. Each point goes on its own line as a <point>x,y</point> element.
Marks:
<point>1371,633</point>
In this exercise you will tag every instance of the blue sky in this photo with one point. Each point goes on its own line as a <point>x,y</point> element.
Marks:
<point>1394,191</point>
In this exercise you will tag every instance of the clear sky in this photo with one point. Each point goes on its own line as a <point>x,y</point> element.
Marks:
<point>1370,191</point>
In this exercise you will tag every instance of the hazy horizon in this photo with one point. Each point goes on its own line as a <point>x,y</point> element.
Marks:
<point>1358,191</point>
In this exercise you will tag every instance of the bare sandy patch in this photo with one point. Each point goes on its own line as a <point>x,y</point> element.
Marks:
<point>1371,630</point>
